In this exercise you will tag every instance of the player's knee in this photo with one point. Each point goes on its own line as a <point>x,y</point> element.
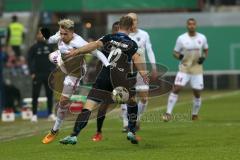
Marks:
<point>196,93</point>
<point>176,89</point>
<point>64,103</point>
<point>144,100</point>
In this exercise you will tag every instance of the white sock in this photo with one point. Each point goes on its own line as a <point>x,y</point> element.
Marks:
<point>57,124</point>
<point>172,99</point>
<point>142,107</point>
<point>197,102</point>
<point>124,115</point>
<point>61,113</point>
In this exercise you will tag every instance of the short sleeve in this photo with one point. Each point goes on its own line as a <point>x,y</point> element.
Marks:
<point>178,45</point>
<point>105,39</point>
<point>133,49</point>
<point>78,42</point>
<point>55,38</point>
<point>205,43</point>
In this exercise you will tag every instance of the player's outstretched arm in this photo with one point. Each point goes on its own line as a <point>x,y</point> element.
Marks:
<point>88,48</point>
<point>141,66</point>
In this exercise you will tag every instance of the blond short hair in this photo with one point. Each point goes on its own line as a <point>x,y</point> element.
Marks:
<point>66,24</point>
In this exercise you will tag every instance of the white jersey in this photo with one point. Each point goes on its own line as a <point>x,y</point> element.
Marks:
<point>64,48</point>
<point>75,43</point>
<point>142,39</point>
<point>191,48</point>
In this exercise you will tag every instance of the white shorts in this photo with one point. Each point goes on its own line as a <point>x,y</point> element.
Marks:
<point>70,85</point>
<point>196,81</point>
<point>140,84</point>
<point>56,58</point>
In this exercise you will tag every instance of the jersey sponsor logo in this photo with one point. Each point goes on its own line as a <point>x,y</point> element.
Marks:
<point>119,44</point>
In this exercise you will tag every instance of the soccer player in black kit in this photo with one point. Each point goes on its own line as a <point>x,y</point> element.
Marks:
<point>120,51</point>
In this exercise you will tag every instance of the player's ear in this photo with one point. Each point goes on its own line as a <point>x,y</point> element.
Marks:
<point>131,29</point>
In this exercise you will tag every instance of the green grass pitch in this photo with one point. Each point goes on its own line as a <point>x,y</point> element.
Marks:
<point>216,136</point>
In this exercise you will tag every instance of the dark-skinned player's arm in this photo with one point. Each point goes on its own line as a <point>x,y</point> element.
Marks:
<point>141,67</point>
<point>204,56</point>
<point>177,49</point>
<point>204,51</point>
<point>178,55</point>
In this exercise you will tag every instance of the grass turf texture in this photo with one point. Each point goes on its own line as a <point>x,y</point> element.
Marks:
<point>214,136</point>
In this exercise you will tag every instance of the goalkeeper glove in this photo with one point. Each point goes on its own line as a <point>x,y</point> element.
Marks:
<point>46,33</point>
<point>180,57</point>
<point>201,60</point>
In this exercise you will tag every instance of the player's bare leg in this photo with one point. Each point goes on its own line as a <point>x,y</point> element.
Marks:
<point>70,85</point>
<point>196,103</point>
<point>172,99</point>
<point>62,110</point>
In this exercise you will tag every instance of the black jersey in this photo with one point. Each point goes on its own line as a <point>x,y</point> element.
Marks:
<point>119,43</point>
<point>118,49</point>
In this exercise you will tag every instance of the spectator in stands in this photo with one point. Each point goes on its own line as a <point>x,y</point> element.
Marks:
<point>13,97</point>
<point>40,69</point>
<point>15,37</point>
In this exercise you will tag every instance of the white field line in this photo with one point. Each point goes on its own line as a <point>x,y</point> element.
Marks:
<point>31,133</point>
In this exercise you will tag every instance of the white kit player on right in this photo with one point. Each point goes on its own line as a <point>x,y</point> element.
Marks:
<point>191,49</point>
<point>142,39</point>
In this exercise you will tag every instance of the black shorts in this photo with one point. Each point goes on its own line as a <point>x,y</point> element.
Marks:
<point>102,88</point>
<point>16,50</point>
<point>107,80</point>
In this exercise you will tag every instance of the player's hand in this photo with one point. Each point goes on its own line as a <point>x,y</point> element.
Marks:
<point>201,60</point>
<point>46,33</point>
<point>180,57</point>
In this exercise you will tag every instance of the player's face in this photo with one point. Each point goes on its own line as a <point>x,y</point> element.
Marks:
<point>66,35</point>
<point>135,23</point>
<point>115,29</point>
<point>191,26</point>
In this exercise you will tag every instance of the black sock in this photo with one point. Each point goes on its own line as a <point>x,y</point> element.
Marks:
<point>132,117</point>
<point>100,123</point>
<point>81,121</point>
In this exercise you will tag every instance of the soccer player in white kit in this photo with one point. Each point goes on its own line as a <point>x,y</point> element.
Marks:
<point>191,49</point>
<point>67,40</point>
<point>142,39</point>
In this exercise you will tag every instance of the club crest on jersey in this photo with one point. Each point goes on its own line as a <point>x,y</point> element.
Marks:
<point>199,42</point>
<point>138,39</point>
